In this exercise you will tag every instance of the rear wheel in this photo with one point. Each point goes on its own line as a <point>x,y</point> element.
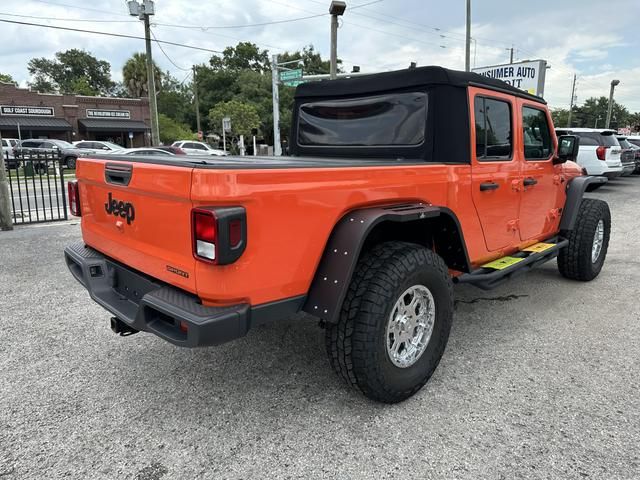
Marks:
<point>70,162</point>
<point>395,322</point>
<point>584,257</point>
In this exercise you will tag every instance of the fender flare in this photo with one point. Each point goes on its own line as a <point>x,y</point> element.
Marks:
<point>340,257</point>
<point>575,191</point>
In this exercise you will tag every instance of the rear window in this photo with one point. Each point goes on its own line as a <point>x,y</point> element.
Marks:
<point>635,141</point>
<point>493,129</point>
<point>397,119</point>
<point>624,143</point>
<point>597,139</point>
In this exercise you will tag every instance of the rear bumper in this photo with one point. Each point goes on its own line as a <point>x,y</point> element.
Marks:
<point>148,305</point>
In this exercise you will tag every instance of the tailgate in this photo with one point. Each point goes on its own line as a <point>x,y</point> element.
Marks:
<point>140,215</point>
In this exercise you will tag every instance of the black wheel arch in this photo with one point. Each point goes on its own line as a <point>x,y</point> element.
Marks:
<point>360,230</point>
<point>575,191</point>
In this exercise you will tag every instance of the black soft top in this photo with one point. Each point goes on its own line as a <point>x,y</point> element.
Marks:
<point>401,79</point>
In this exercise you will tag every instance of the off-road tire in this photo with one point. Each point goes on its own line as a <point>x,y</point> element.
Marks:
<point>575,261</point>
<point>70,163</point>
<point>356,345</point>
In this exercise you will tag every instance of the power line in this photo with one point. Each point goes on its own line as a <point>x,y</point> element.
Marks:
<point>66,19</point>
<point>81,8</point>
<point>165,54</point>
<point>109,34</point>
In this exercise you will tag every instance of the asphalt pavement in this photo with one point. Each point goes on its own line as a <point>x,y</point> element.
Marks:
<point>540,380</point>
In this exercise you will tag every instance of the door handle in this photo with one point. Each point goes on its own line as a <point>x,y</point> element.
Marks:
<point>529,182</point>
<point>488,186</point>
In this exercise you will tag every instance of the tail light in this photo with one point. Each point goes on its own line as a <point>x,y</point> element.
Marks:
<point>74,198</point>
<point>601,152</point>
<point>219,234</point>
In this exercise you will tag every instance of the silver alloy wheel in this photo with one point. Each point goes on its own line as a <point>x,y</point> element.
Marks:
<point>598,241</point>
<point>410,326</point>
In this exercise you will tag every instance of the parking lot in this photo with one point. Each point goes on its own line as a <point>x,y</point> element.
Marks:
<point>540,380</point>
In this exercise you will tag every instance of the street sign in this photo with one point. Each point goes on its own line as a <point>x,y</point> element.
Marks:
<point>289,75</point>
<point>528,76</point>
<point>293,83</point>
<point>226,124</point>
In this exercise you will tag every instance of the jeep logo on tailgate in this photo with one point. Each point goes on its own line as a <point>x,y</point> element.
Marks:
<point>120,208</point>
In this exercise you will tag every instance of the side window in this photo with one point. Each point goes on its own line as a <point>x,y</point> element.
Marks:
<point>493,129</point>
<point>189,145</point>
<point>537,137</point>
<point>83,145</point>
<point>198,146</point>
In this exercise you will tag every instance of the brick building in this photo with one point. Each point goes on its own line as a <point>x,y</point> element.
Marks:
<point>73,117</point>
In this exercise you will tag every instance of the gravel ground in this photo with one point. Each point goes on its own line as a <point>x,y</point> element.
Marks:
<point>540,380</point>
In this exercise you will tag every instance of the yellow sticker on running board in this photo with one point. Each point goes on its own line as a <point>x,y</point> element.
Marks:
<point>502,263</point>
<point>538,247</point>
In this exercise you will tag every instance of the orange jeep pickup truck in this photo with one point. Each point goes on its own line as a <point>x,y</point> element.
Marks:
<point>399,185</point>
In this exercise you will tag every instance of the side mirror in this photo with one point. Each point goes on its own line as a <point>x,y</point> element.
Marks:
<point>568,146</point>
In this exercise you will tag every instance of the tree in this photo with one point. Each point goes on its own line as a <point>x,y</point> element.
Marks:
<point>170,130</point>
<point>244,117</point>
<point>69,70</point>
<point>594,110</point>
<point>6,78</point>
<point>313,62</point>
<point>175,100</point>
<point>244,56</point>
<point>560,117</point>
<point>134,74</point>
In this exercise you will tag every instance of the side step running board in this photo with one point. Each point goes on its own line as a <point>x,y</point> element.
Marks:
<point>497,272</point>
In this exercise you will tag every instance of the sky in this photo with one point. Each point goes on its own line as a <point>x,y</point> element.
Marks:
<point>598,41</point>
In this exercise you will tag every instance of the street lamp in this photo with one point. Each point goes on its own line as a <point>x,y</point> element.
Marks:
<point>336,9</point>
<point>614,84</point>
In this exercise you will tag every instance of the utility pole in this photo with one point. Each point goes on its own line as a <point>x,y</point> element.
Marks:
<point>5,198</point>
<point>511,55</point>
<point>336,9</point>
<point>277,148</point>
<point>195,100</point>
<point>573,95</point>
<point>614,84</point>
<point>143,12</point>
<point>467,50</point>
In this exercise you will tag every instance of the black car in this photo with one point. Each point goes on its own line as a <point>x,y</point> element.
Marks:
<point>67,152</point>
<point>630,151</point>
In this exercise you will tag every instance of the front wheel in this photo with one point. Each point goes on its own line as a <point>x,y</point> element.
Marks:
<point>71,163</point>
<point>394,323</point>
<point>584,257</point>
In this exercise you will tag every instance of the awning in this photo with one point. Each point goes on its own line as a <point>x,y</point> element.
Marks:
<point>34,123</point>
<point>112,125</point>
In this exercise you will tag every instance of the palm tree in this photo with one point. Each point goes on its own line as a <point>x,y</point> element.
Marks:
<point>134,75</point>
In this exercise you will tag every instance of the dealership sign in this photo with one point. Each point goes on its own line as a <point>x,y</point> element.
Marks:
<point>26,111</point>
<point>527,76</point>
<point>97,113</point>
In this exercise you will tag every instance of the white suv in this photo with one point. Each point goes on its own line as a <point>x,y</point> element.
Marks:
<point>599,151</point>
<point>198,148</point>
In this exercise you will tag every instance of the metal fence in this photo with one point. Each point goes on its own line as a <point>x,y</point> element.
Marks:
<point>37,186</point>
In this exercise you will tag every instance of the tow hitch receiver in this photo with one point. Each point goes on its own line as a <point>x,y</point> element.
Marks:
<point>121,328</point>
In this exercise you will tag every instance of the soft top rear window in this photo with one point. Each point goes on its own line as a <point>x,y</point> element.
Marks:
<point>395,119</point>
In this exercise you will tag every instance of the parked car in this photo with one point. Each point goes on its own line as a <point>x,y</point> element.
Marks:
<point>367,226</point>
<point>172,149</point>
<point>631,150</point>
<point>198,148</point>
<point>142,151</point>
<point>599,151</point>
<point>8,144</point>
<point>96,146</point>
<point>68,152</point>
